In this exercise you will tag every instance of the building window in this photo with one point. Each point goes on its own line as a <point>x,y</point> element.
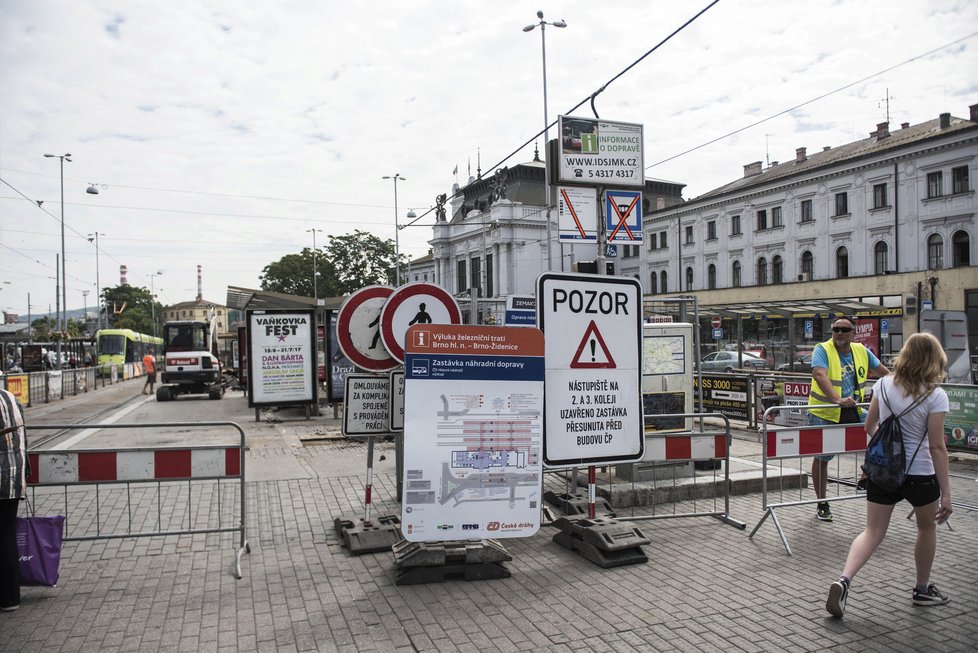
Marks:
<point>475,274</point>
<point>762,271</point>
<point>776,217</point>
<point>762,220</point>
<point>807,266</point>
<point>663,282</point>
<point>935,252</point>
<point>806,211</point>
<point>879,196</point>
<point>460,278</point>
<point>689,234</point>
<point>959,180</point>
<point>960,249</point>
<point>654,283</point>
<point>735,274</point>
<point>841,263</point>
<point>935,184</point>
<point>490,291</point>
<point>880,253</point>
<point>777,270</point>
<point>662,240</point>
<point>711,230</point>
<point>711,277</point>
<point>689,278</point>
<point>735,225</point>
<point>841,203</point>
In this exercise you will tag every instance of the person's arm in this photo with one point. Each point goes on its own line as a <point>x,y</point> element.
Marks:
<point>938,453</point>
<point>821,376</point>
<point>880,371</point>
<point>873,417</point>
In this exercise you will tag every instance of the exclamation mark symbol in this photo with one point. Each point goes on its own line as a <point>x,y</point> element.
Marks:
<point>593,347</point>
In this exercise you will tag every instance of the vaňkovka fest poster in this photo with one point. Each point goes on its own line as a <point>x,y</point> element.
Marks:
<point>282,359</point>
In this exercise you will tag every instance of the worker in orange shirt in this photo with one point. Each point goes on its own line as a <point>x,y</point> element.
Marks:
<point>149,366</point>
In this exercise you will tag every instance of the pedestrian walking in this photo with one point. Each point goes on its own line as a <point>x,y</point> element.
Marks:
<point>149,366</point>
<point>918,370</point>
<point>13,488</point>
<point>839,371</point>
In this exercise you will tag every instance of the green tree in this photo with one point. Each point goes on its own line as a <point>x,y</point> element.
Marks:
<point>362,259</point>
<point>132,308</point>
<point>292,275</point>
<point>348,263</point>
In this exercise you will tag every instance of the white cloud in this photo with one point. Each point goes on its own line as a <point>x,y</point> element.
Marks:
<point>189,113</point>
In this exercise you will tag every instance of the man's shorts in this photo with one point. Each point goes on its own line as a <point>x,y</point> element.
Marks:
<point>815,420</point>
<point>151,377</point>
<point>917,490</point>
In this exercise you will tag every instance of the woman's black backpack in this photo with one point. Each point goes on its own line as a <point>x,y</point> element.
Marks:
<point>886,458</point>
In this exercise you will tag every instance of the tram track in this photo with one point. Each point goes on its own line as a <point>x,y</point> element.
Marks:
<point>40,442</point>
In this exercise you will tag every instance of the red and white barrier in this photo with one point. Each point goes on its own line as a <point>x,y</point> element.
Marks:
<point>815,441</point>
<point>685,447</point>
<point>133,465</point>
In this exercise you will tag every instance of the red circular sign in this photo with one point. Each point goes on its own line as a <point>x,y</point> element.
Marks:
<point>415,303</point>
<point>716,322</point>
<point>358,329</point>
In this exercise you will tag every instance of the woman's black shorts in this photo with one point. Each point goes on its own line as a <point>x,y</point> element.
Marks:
<point>917,490</point>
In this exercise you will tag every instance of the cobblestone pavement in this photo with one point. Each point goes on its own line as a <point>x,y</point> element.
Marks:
<point>707,585</point>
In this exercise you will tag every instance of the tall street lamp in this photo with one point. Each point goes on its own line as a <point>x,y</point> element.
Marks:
<point>64,276</point>
<point>98,283</point>
<point>85,312</point>
<point>152,298</point>
<point>546,126</point>
<point>315,252</point>
<point>397,240</point>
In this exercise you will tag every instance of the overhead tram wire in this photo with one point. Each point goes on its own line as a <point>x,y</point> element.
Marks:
<point>814,99</point>
<point>589,98</point>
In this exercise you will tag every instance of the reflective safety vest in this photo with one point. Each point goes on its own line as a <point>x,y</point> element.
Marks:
<point>860,359</point>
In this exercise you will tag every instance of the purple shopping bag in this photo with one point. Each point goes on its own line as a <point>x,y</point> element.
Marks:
<point>39,549</point>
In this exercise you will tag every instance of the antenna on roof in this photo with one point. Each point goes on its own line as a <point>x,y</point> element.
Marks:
<point>767,152</point>
<point>886,100</point>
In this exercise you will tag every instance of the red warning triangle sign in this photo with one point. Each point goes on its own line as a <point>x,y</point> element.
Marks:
<point>587,356</point>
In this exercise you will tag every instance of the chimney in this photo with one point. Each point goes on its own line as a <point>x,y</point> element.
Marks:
<point>800,154</point>
<point>752,169</point>
<point>122,275</point>
<point>200,284</point>
<point>945,120</point>
<point>882,130</point>
<point>974,112</point>
<point>904,125</point>
<point>826,148</point>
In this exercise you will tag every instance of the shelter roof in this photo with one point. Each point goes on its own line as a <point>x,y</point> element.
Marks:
<point>249,299</point>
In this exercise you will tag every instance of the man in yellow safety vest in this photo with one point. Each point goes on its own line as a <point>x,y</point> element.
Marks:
<point>839,371</point>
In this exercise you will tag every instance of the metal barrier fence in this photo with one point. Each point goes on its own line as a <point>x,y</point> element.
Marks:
<point>664,454</point>
<point>118,474</point>
<point>45,387</point>
<point>845,441</point>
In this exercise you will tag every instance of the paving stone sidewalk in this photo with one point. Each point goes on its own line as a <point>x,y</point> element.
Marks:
<point>707,586</point>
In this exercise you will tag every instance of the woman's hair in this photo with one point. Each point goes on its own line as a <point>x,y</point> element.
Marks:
<point>920,364</point>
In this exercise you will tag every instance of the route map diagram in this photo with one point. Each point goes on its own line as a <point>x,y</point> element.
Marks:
<point>664,355</point>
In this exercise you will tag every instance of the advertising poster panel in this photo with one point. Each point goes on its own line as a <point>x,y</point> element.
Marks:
<point>473,429</point>
<point>281,357</point>
<point>339,365</point>
<point>726,394</point>
<point>961,422</point>
<point>867,334</point>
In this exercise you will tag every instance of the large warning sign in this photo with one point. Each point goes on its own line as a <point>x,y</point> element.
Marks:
<point>593,403</point>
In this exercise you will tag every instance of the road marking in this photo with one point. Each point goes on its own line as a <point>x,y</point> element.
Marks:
<point>78,437</point>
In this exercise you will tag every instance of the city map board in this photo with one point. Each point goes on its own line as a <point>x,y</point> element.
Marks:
<point>473,428</point>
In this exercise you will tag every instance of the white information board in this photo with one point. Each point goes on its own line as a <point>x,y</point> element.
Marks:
<point>281,357</point>
<point>396,413</point>
<point>577,214</point>
<point>366,405</point>
<point>601,152</point>
<point>593,327</point>
<point>473,425</point>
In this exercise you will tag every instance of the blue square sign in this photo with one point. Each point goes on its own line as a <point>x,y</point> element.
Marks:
<point>623,216</point>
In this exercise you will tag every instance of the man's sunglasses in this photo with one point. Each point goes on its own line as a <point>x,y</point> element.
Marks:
<point>841,329</point>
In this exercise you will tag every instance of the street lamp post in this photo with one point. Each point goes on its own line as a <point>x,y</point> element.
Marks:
<point>546,126</point>
<point>64,276</point>
<point>315,287</point>
<point>152,297</point>
<point>84,311</point>
<point>98,286</point>
<point>397,240</point>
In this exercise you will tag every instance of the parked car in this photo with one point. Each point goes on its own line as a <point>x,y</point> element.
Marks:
<point>802,364</point>
<point>726,361</point>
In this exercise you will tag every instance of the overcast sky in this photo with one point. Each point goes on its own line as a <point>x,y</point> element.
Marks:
<point>219,132</point>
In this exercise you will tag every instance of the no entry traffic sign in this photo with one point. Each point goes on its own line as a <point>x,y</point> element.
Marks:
<point>593,360</point>
<point>358,329</point>
<point>415,303</point>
